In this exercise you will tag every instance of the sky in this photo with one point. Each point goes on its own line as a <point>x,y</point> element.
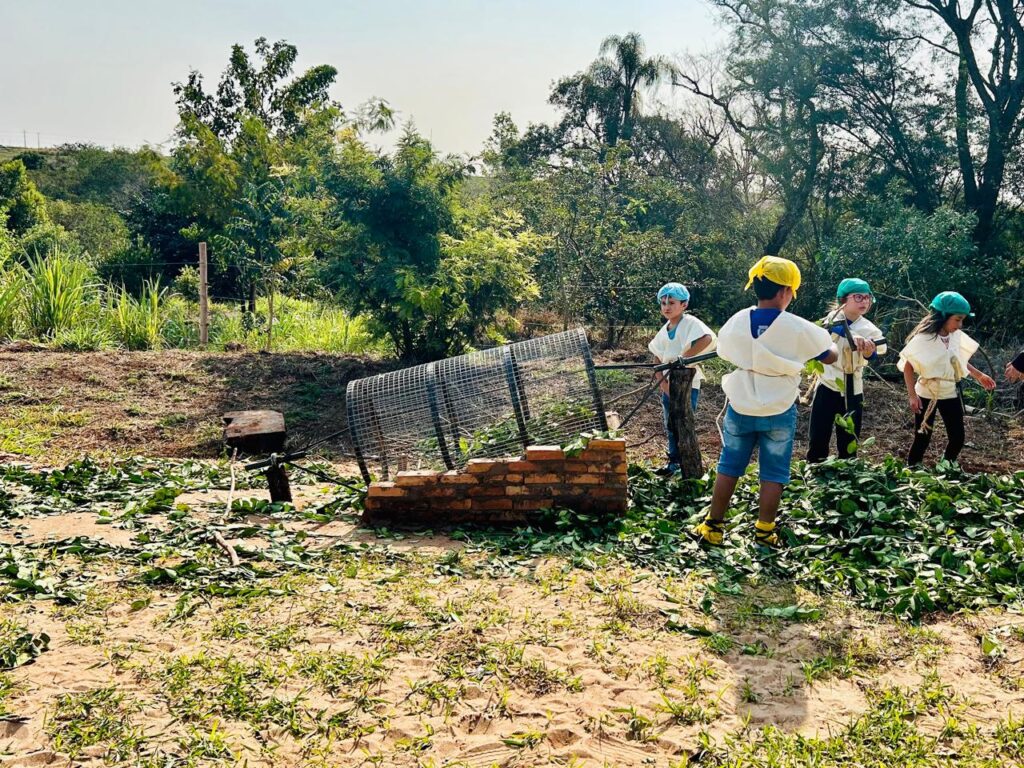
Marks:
<point>101,71</point>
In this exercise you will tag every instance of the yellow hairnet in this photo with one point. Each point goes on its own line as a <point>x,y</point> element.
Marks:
<point>776,269</point>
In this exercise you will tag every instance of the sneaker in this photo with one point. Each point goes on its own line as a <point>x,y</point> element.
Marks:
<point>672,468</point>
<point>711,532</point>
<point>766,536</point>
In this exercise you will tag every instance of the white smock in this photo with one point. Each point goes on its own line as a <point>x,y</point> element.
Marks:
<point>768,377</point>
<point>939,367</point>
<point>688,331</point>
<point>850,361</point>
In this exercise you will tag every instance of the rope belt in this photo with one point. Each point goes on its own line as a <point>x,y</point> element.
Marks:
<point>931,386</point>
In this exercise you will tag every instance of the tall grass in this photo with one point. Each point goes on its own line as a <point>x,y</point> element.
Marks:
<point>59,300</point>
<point>57,288</point>
<point>135,322</point>
<point>12,282</point>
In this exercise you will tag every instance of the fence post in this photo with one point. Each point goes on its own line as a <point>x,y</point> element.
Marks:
<point>204,308</point>
<point>682,422</point>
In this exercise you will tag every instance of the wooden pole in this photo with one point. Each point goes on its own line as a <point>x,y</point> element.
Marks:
<point>204,308</point>
<point>682,422</point>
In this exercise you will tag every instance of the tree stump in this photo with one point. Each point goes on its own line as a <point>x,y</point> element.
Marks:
<point>683,423</point>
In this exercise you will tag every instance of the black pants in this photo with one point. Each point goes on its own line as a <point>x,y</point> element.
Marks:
<point>952,412</point>
<point>826,406</point>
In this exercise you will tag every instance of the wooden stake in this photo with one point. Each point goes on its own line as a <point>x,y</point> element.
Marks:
<point>204,308</point>
<point>681,420</point>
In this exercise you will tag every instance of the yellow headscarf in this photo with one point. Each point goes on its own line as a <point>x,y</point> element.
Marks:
<point>776,269</point>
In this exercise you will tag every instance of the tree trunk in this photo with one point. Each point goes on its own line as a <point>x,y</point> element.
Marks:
<point>252,297</point>
<point>682,423</point>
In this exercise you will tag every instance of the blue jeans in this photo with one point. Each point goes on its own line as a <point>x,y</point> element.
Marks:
<point>773,436</point>
<point>673,445</point>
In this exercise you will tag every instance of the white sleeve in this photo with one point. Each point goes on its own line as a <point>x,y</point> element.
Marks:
<point>816,340</point>
<point>700,329</point>
<point>968,347</point>
<point>657,344</point>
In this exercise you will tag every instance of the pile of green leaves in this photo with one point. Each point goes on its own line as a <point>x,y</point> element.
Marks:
<point>172,546</point>
<point>900,540</point>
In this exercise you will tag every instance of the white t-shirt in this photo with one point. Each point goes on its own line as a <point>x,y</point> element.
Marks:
<point>860,327</point>
<point>688,331</point>
<point>767,381</point>
<point>938,366</point>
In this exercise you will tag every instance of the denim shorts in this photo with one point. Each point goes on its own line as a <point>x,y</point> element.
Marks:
<point>773,436</point>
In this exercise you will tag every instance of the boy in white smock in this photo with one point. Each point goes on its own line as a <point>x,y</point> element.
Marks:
<point>682,335</point>
<point>937,354</point>
<point>769,348</point>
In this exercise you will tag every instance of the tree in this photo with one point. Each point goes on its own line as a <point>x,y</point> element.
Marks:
<point>602,104</point>
<point>987,47</point>
<point>774,97</point>
<point>22,206</point>
<point>400,245</point>
<point>256,90</point>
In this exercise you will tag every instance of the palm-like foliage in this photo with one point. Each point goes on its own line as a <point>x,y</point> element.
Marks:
<point>624,70</point>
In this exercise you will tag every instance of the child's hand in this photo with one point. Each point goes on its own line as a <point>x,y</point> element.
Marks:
<point>987,382</point>
<point>1012,374</point>
<point>865,346</point>
<point>915,403</point>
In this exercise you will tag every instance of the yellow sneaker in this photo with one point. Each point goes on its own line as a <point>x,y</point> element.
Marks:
<point>765,535</point>
<point>711,532</point>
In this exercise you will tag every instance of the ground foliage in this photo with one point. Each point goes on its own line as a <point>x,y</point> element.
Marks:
<point>900,540</point>
<point>904,541</point>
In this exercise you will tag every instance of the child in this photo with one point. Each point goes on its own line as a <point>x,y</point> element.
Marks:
<point>937,352</point>
<point>682,335</point>
<point>830,398</point>
<point>769,347</point>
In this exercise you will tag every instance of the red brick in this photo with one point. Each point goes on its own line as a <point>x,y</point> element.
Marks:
<point>524,466</point>
<point>485,489</point>
<point>616,444</point>
<point>479,466</point>
<point>492,504</point>
<point>541,479</point>
<point>530,504</point>
<point>415,477</point>
<point>385,489</point>
<point>585,479</point>
<point>544,453</point>
<point>455,477</point>
<point>440,492</point>
<point>517,490</point>
<point>459,505</point>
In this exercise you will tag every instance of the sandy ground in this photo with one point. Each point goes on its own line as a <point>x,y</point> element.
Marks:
<point>570,624</point>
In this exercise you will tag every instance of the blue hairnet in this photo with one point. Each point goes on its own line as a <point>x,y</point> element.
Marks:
<point>675,290</point>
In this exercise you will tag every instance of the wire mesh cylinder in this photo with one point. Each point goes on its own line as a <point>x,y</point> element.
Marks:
<point>485,404</point>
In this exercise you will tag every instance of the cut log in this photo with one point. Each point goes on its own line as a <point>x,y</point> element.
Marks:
<point>255,432</point>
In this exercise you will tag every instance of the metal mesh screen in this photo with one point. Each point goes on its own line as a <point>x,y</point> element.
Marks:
<point>486,404</point>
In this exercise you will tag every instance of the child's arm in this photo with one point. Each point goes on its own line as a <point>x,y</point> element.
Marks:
<point>829,356</point>
<point>698,346</point>
<point>982,378</point>
<point>660,377</point>
<point>909,380</point>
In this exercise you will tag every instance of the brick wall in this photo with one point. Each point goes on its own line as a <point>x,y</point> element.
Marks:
<point>506,490</point>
